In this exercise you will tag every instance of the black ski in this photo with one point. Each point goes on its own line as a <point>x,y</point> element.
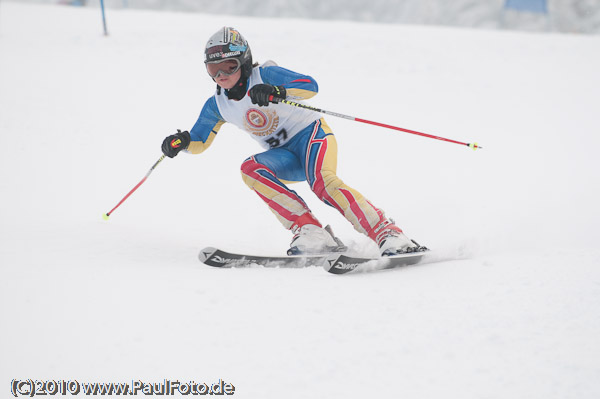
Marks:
<point>215,257</point>
<point>342,264</point>
<point>333,263</point>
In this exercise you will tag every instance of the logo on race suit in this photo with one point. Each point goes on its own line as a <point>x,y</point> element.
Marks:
<point>261,122</point>
<point>256,118</point>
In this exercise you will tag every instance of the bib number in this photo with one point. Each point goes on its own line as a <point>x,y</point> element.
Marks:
<point>276,141</point>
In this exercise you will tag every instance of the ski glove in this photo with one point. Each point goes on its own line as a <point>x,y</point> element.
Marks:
<point>175,143</point>
<point>261,94</point>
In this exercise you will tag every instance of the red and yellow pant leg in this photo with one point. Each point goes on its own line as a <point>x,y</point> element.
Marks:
<point>286,204</point>
<point>321,171</point>
<point>312,157</point>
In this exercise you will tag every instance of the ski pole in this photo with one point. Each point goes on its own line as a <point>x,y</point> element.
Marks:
<point>474,146</point>
<point>107,214</point>
<point>103,18</point>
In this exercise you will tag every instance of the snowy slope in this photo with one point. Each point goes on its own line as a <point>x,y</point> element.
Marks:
<point>513,314</point>
<point>568,16</point>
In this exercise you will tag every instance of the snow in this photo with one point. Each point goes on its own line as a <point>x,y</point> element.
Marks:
<point>569,16</point>
<point>511,312</point>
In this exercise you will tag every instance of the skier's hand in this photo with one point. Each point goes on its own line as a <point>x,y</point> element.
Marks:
<point>261,94</point>
<point>175,143</point>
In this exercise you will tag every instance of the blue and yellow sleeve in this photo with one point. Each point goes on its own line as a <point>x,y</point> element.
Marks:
<point>297,86</point>
<point>206,128</point>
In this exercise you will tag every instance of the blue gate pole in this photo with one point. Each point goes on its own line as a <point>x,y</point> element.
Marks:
<point>103,17</point>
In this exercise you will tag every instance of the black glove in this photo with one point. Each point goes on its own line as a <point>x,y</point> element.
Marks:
<point>175,143</point>
<point>260,94</point>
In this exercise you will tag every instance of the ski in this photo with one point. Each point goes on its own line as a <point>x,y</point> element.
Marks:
<point>333,263</point>
<point>342,264</point>
<point>217,258</point>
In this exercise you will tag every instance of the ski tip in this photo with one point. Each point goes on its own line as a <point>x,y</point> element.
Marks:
<point>206,253</point>
<point>329,262</point>
<point>342,264</point>
<point>338,264</point>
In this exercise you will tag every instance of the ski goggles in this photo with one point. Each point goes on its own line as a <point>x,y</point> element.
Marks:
<point>223,67</point>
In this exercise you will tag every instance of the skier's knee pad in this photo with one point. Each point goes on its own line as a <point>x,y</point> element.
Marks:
<point>248,169</point>
<point>252,171</point>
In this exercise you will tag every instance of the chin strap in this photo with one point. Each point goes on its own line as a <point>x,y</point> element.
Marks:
<point>238,91</point>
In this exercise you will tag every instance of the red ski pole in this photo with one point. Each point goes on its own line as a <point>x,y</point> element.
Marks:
<point>474,146</point>
<point>107,214</point>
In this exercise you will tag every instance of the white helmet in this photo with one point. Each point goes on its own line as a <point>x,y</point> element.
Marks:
<point>229,44</point>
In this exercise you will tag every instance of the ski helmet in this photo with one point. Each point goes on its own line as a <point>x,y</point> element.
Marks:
<point>229,44</point>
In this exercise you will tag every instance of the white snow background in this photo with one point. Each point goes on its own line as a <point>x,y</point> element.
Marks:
<point>512,312</point>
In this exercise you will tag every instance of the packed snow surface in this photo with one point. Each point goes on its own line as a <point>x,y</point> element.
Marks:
<point>512,310</point>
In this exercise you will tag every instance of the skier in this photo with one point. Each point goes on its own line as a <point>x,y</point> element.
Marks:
<point>299,147</point>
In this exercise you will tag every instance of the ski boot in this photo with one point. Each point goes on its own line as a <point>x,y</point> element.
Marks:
<point>311,238</point>
<point>392,240</point>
